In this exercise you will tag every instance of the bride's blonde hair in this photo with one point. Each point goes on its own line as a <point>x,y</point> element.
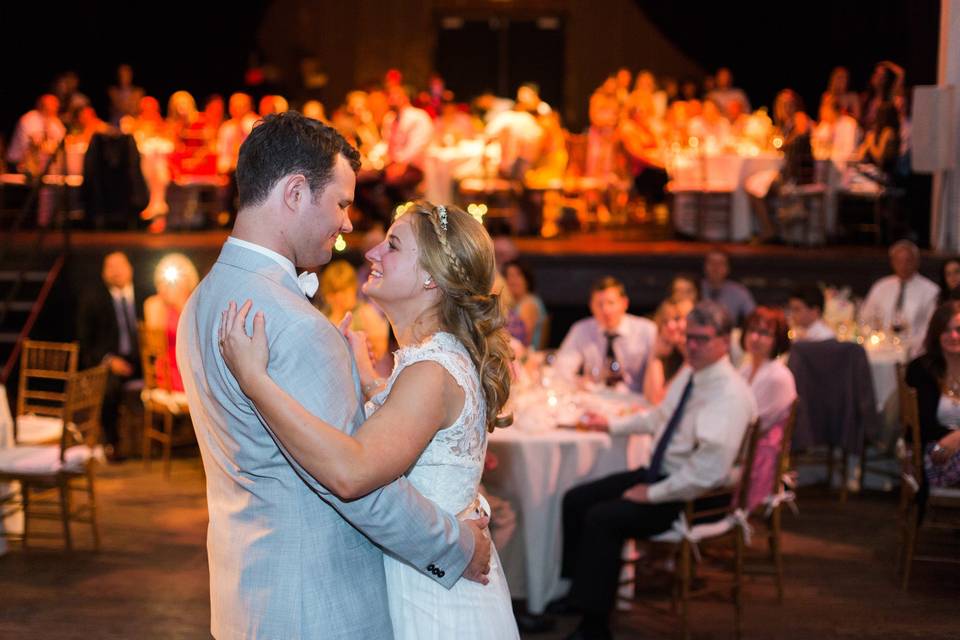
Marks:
<point>457,252</point>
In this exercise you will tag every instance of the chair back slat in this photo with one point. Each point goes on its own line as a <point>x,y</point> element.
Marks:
<point>782,467</point>
<point>910,421</point>
<point>84,403</point>
<point>155,358</point>
<point>751,438</point>
<point>45,372</point>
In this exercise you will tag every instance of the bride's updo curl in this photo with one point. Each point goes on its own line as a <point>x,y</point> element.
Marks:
<point>457,252</point>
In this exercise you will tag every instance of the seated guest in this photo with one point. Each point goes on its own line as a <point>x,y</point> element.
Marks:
<point>642,146</point>
<point>697,430</point>
<point>154,143</point>
<point>612,346</point>
<point>669,350</point>
<point>835,135</point>
<point>725,93</point>
<point>338,291</point>
<point>36,137</point>
<point>519,134</point>
<point>683,288</point>
<point>838,93</point>
<point>194,155</point>
<point>806,307</point>
<point>175,278</point>
<point>107,333</point>
<point>733,296</point>
<point>774,390</point>
<point>272,104</point>
<point>314,109</point>
<point>881,144</point>
<point>408,131</point>
<point>950,280</point>
<point>124,96</point>
<point>453,124</point>
<point>526,314</point>
<point>936,377</point>
<point>904,301</point>
<point>551,156</point>
<point>794,128</point>
<point>711,127</point>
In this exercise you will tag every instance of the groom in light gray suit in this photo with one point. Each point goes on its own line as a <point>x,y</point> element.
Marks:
<point>288,559</point>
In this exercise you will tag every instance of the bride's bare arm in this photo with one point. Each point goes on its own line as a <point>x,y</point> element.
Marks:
<point>420,403</point>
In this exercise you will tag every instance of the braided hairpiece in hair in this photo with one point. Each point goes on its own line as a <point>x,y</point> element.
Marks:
<point>438,219</point>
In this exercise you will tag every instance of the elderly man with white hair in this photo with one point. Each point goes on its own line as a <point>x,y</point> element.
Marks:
<point>902,302</point>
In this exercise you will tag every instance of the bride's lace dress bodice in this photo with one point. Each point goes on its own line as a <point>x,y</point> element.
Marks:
<point>449,469</point>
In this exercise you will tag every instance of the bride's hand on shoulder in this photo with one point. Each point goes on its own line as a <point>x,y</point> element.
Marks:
<point>361,347</point>
<point>246,356</point>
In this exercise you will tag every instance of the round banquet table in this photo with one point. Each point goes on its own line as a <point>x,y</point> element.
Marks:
<point>15,521</point>
<point>534,471</point>
<point>443,165</point>
<point>720,172</point>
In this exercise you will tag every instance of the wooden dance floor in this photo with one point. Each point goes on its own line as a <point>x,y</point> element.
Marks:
<point>150,579</point>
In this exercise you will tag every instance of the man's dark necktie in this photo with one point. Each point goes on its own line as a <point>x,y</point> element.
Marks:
<point>900,296</point>
<point>614,372</point>
<point>656,460</point>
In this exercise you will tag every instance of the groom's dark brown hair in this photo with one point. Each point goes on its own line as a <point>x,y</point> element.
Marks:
<point>286,143</point>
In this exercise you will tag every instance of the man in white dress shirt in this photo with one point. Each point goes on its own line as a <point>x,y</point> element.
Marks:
<point>806,308</point>
<point>698,430</point>
<point>613,346</point>
<point>725,93</point>
<point>905,301</point>
<point>408,131</point>
<point>36,136</point>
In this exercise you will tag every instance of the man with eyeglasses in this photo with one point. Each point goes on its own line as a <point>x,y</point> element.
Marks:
<point>697,429</point>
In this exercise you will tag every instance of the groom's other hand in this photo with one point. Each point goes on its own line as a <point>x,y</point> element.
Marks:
<point>479,566</point>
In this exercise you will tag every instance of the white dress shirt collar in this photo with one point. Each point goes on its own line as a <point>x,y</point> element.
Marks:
<point>718,369</point>
<point>283,261</point>
<point>125,293</point>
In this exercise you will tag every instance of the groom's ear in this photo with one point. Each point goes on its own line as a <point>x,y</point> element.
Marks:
<point>294,190</point>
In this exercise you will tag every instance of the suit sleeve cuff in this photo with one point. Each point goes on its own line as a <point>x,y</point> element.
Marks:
<point>448,569</point>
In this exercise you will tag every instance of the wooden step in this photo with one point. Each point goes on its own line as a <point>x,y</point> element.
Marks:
<point>28,276</point>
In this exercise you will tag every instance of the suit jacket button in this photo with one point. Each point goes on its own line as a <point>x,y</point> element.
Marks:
<point>430,567</point>
<point>441,574</point>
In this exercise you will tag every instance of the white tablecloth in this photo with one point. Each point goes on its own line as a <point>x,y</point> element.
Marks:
<point>443,165</point>
<point>15,522</point>
<point>883,367</point>
<point>723,172</point>
<point>535,470</point>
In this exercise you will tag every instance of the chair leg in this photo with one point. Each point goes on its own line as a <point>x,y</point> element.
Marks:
<point>830,454</point>
<point>844,460</point>
<point>776,552</point>
<point>167,443</point>
<point>147,428</point>
<point>65,514</point>
<point>91,497</point>
<point>912,531</point>
<point>685,569</point>
<point>25,499</point>
<point>738,584</point>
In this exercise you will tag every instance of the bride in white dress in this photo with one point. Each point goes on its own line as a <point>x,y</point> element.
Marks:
<point>432,276</point>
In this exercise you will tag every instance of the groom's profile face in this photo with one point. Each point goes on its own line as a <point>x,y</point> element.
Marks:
<point>324,216</point>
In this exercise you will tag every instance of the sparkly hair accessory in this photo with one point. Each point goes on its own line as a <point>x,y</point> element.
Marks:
<point>442,214</point>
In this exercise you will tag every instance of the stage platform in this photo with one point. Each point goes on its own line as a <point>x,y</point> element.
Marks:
<point>564,267</point>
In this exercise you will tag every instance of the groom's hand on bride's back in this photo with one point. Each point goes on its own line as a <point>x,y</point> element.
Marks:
<point>479,565</point>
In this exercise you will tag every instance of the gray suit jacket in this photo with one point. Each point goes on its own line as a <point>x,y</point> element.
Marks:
<point>288,559</point>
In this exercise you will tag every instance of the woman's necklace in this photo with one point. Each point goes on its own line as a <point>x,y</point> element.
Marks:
<point>951,388</point>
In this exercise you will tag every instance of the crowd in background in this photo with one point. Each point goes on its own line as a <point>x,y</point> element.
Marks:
<point>637,124</point>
